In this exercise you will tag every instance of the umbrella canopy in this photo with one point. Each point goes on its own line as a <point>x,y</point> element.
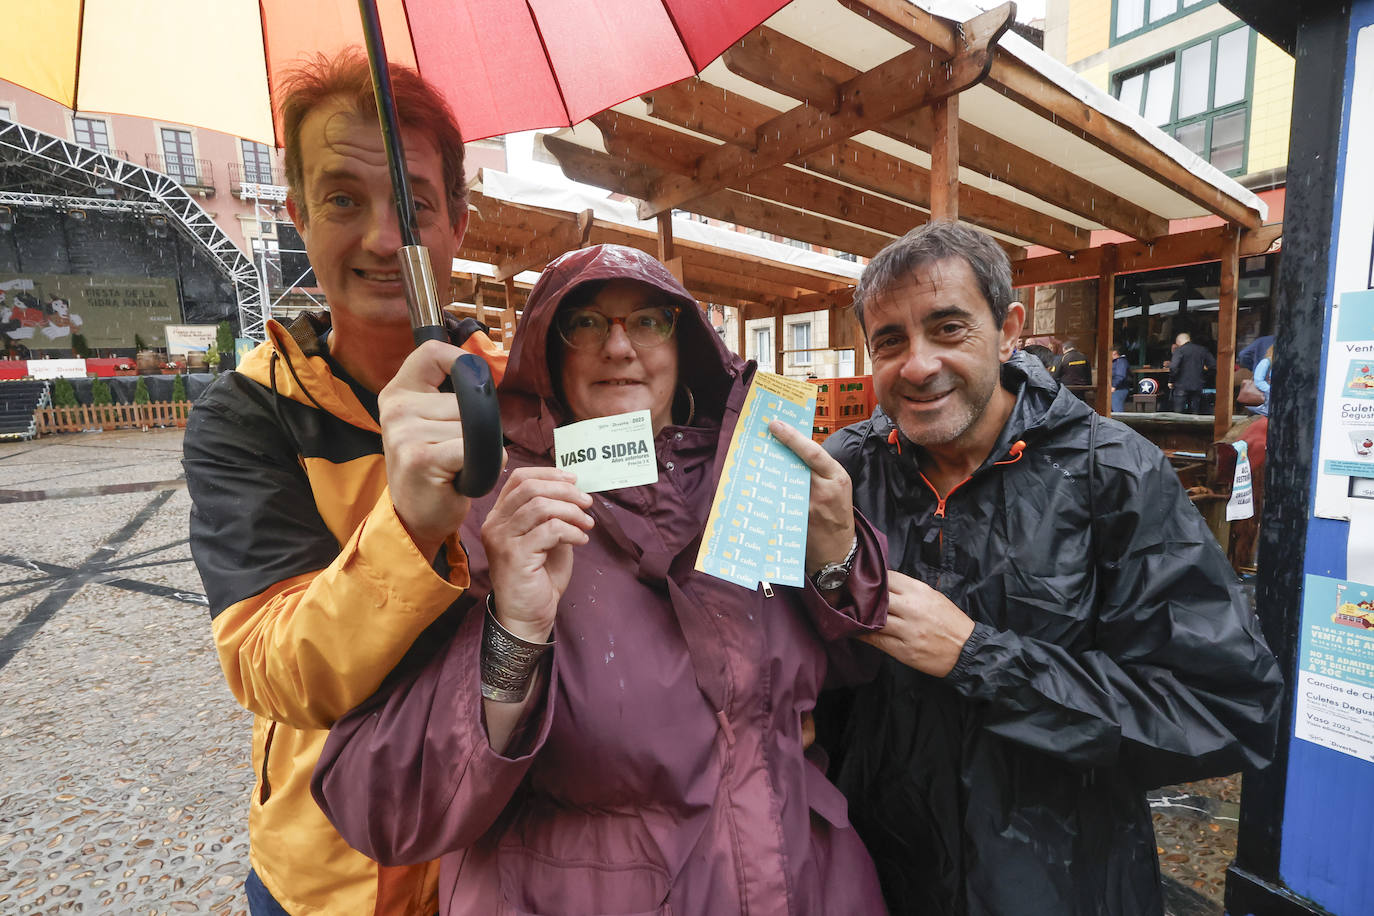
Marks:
<point>503,65</point>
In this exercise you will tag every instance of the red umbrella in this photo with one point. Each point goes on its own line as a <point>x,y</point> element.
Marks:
<point>503,65</point>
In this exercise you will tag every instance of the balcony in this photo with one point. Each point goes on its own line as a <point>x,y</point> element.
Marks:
<point>262,183</point>
<point>197,175</point>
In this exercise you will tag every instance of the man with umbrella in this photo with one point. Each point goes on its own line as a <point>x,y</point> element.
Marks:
<point>323,516</point>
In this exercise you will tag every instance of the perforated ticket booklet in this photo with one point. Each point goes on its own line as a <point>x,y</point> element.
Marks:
<point>756,532</point>
<point>607,453</point>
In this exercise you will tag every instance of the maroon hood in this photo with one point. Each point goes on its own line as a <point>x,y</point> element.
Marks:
<point>530,406</point>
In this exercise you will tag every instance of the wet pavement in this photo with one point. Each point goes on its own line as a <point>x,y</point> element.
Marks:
<point>125,774</point>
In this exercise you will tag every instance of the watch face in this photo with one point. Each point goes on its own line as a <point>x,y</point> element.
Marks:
<point>831,578</point>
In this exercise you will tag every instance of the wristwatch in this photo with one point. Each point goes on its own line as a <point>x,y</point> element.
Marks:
<point>832,575</point>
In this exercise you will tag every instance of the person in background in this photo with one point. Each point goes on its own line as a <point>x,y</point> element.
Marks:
<point>1121,380</point>
<point>1263,369</point>
<point>1254,351</point>
<point>1064,632</point>
<point>1075,371</point>
<point>1047,357</point>
<point>611,730</point>
<point>1188,369</point>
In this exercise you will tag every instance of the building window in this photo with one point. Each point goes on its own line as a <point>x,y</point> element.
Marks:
<point>5,113</point>
<point>763,348</point>
<point>1132,16</point>
<point>801,344</point>
<point>1199,94</point>
<point>257,162</point>
<point>179,155</point>
<point>92,133</point>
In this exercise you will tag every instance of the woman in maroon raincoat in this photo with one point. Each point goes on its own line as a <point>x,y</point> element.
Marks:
<point>656,764</point>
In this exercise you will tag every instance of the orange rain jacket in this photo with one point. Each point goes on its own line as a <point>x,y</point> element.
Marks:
<point>316,592</point>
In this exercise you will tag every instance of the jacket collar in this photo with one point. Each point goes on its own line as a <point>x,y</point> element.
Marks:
<point>1042,405</point>
<point>292,364</point>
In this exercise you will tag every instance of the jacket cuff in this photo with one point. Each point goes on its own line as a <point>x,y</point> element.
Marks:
<point>965,667</point>
<point>864,598</point>
<point>382,550</point>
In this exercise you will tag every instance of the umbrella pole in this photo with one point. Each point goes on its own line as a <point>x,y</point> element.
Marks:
<point>426,314</point>
<point>469,375</point>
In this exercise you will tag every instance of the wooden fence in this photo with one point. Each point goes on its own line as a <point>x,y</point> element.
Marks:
<point>112,416</point>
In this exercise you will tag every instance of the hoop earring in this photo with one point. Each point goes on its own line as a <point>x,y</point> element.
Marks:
<point>691,406</point>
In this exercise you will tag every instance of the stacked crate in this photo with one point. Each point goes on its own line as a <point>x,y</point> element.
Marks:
<point>840,402</point>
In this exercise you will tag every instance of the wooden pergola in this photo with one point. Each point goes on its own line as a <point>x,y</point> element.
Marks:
<point>517,237</point>
<point>845,123</point>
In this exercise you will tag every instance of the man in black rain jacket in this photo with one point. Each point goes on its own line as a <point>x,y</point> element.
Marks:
<point>1188,368</point>
<point>1071,634</point>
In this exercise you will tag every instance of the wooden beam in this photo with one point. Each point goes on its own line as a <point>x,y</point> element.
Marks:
<point>566,236</point>
<point>602,170</point>
<point>1176,250</point>
<point>1227,305</point>
<point>1032,90</point>
<point>739,331</point>
<point>1106,314</point>
<point>638,140</point>
<point>775,61</point>
<point>892,88</point>
<point>715,112</point>
<point>944,160</point>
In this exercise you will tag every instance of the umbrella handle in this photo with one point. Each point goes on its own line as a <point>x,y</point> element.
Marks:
<point>481,417</point>
<point>469,375</point>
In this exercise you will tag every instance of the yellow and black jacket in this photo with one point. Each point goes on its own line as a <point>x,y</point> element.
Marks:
<point>316,592</point>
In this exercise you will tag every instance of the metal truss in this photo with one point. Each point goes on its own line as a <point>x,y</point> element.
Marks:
<point>31,201</point>
<point>63,167</point>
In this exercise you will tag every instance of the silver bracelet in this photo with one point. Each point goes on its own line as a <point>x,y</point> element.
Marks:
<point>508,662</point>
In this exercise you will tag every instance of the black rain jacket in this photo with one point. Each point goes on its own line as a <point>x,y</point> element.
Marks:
<point>1189,365</point>
<point>1113,652</point>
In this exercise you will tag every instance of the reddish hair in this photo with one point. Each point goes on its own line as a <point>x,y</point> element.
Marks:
<point>348,77</point>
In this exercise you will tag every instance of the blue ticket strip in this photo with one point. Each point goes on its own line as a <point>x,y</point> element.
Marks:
<point>756,532</point>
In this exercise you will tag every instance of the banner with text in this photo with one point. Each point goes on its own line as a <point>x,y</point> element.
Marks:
<point>43,311</point>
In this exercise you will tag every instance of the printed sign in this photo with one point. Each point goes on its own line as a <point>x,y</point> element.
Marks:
<point>1242,503</point>
<point>607,453</point>
<point>1347,445</point>
<point>185,338</point>
<point>44,311</point>
<point>1335,702</point>
<point>756,531</point>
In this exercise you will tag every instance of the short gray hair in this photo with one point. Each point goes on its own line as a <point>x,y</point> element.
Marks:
<point>936,241</point>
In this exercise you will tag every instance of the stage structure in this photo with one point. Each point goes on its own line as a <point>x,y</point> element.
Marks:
<point>64,171</point>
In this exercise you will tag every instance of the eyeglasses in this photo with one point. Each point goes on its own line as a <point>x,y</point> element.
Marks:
<point>584,329</point>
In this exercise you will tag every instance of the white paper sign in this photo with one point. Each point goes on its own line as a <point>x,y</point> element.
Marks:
<point>1242,504</point>
<point>607,453</point>
<point>57,368</point>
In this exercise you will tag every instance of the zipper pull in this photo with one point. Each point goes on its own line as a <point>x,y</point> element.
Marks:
<point>767,590</point>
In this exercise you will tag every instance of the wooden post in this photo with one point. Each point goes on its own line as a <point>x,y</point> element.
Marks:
<point>778,329</point>
<point>944,159</point>
<point>665,237</point>
<point>739,330</point>
<point>509,283</point>
<point>480,302</point>
<point>1106,310</point>
<point>1226,331</point>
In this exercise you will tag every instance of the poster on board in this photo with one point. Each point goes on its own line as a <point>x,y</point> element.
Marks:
<point>1335,689</point>
<point>1345,458</point>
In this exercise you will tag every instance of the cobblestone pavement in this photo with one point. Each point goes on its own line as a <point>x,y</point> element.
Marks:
<point>125,774</point>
